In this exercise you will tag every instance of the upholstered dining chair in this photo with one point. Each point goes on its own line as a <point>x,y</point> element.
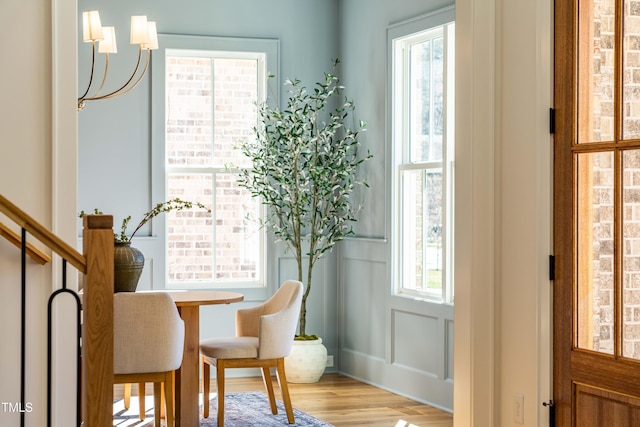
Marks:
<point>148,345</point>
<point>264,337</point>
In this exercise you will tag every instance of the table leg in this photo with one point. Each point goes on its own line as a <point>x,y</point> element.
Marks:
<point>187,377</point>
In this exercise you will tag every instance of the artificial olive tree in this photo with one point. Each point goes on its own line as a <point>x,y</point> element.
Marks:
<point>304,163</point>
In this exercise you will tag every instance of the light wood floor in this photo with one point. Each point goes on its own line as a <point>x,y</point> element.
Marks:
<point>342,401</point>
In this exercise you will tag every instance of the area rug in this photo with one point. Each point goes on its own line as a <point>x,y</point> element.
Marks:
<point>240,410</point>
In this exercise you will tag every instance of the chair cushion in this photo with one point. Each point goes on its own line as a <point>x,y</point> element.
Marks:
<point>230,348</point>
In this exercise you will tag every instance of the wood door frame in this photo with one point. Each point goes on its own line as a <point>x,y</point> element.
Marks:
<point>564,94</point>
<point>579,371</point>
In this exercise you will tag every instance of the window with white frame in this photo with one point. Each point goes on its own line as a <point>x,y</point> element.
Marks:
<point>423,144</point>
<point>210,106</point>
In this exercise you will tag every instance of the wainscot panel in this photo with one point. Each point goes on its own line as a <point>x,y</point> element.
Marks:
<point>413,340</point>
<point>363,297</point>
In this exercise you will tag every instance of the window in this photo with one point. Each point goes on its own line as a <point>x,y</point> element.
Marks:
<point>210,96</point>
<point>423,150</point>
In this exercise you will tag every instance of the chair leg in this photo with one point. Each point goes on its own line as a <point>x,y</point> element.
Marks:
<point>266,377</point>
<point>157,402</point>
<point>127,395</point>
<point>141,398</point>
<point>162,400</point>
<point>168,395</point>
<point>220,384</point>
<point>282,380</point>
<point>206,387</point>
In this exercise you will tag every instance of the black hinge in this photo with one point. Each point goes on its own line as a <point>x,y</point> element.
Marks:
<point>552,267</point>
<point>552,120</point>
<point>552,412</point>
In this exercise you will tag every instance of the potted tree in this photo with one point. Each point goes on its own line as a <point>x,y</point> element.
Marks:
<point>304,162</point>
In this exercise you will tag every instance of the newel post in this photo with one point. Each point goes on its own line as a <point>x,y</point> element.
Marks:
<point>97,324</point>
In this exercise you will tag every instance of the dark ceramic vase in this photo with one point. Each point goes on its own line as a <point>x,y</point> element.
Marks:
<point>128,264</point>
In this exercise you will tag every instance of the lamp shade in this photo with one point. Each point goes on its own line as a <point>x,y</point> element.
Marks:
<point>139,30</point>
<point>91,26</point>
<point>153,36</point>
<point>108,44</point>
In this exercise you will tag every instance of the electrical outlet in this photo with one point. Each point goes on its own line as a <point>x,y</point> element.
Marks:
<point>518,408</point>
<point>329,361</point>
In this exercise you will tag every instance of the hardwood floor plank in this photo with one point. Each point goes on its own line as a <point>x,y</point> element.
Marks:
<point>343,401</point>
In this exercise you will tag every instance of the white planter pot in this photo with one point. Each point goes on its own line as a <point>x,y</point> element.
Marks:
<point>306,362</point>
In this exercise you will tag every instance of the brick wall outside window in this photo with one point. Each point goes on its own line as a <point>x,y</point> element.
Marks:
<point>602,211</point>
<point>211,107</point>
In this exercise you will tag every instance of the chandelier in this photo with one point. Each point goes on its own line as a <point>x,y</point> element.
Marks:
<point>143,33</point>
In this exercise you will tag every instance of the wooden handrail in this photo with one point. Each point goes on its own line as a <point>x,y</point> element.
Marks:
<point>36,254</point>
<point>45,236</point>
<point>97,303</point>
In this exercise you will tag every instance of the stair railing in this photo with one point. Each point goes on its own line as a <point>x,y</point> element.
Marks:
<point>94,390</point>
<point>36,254</point>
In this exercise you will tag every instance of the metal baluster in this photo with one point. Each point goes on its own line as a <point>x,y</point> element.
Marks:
<point>78,348</point>
<point>23,321</point>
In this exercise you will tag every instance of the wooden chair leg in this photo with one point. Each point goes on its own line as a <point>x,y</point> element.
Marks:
<point>162,400</point>
<point>206,385</point>
<point>127,396</point>
<point>266,377</point>
<point>282,380</point>
<point>157,402</point>
<point>168,395</point>
<point>220,384</point>
<point>141,398</point>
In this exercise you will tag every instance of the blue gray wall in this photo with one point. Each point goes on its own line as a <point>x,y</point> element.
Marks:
<point>399,344</point>
<point>114,135</point>
<point>115,143</point>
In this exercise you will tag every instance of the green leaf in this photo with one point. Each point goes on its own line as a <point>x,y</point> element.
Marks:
<point>304,167</point>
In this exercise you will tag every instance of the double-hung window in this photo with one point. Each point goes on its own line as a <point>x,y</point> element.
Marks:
<point>211,89</point>
<point>422,58</point>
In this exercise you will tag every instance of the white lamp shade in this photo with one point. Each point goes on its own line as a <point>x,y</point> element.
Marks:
<point>153,36</point>
<point>139,30</point>
<point>108,44</point>
<point>91,26</point>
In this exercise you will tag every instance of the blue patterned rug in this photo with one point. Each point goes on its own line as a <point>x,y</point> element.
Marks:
<point>241,410</point>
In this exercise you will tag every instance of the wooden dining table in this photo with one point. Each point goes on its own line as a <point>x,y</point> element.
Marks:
<point>188,375</point>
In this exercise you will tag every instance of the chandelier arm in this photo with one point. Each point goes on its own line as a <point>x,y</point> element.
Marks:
<point>104,78</point>
<point>93,64</point>
<point>117,91</point>
<point>128,89</point>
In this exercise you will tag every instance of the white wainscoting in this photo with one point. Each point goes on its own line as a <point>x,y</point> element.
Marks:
<point>399,344</point>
